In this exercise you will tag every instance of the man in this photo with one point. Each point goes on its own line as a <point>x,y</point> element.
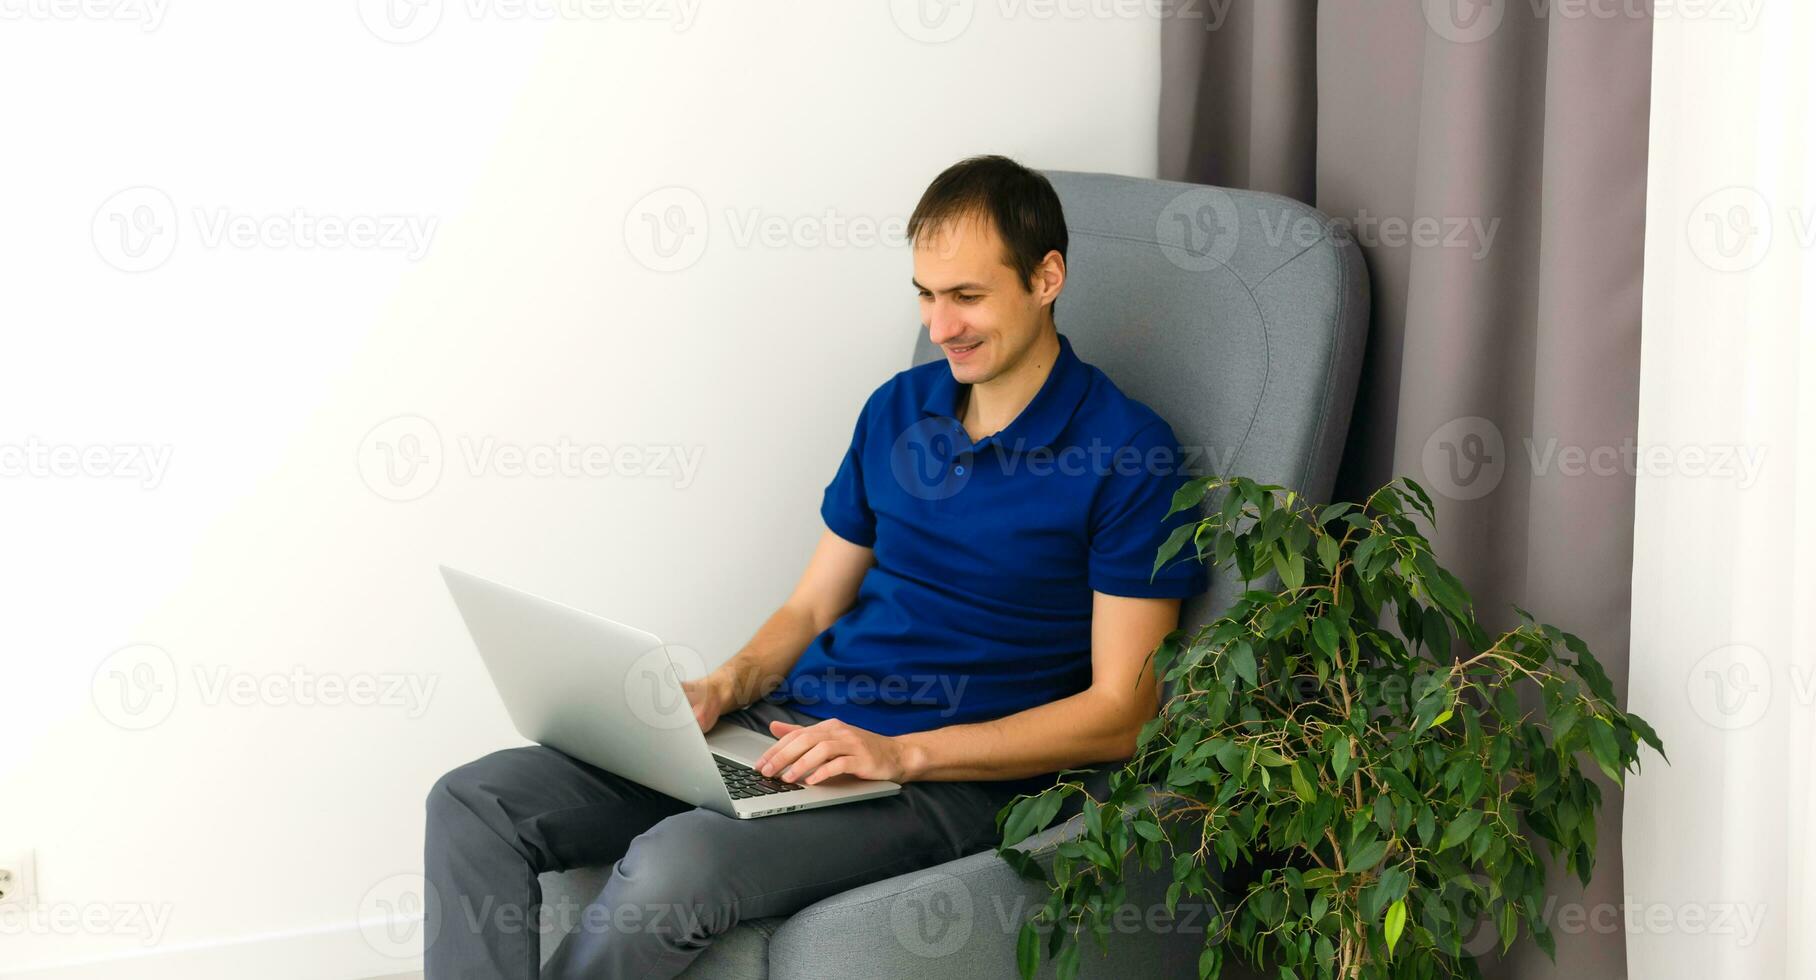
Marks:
<point>974,619</point>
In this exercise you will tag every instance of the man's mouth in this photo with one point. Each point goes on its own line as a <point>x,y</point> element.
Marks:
<point>963,351</point>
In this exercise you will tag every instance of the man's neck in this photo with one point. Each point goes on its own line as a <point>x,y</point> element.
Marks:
<point>988,407</point>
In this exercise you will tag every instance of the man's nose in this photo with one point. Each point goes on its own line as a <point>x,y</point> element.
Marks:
<point>943,323</point>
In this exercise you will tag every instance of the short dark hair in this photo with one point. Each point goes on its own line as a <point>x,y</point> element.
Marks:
<point>1018,201</point>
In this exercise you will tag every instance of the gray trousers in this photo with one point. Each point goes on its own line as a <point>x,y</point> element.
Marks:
<point>680,874</point>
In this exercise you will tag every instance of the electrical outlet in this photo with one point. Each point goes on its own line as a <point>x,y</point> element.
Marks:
<point>18,878</point>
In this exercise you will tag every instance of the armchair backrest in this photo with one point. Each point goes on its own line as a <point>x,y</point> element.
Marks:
<point>1239,316</point>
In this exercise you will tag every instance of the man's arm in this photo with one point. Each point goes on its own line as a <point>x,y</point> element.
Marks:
<point>1098,724</point>
<point>826,590</point>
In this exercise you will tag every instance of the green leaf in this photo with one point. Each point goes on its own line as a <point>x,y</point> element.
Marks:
<point>1589,668</point>
<point>1365,857</point>
<point>1394,882</point>
<point>1508,924</point>
<point>1027,951</point>
<point>1646,734</point>
<point>1025,864</point>
<point>1435,631</point>
<point>1441,585</point>
<point>1268,757</point>
<point>1460,828</point>
<point>1303,787</point>
<point>1329,553</point>
<point>1189,495</point>
<point>1032,815</point>
<point>1210,962</point>
<point>1396,924</point>
<point>1603,747</point>
<point>1324,633</point>
<point>1171,546</point>
<point>1242,660</point>
<point>1426,507</point>
<point>1097,854</point>
<point>1291,569</point>
<point>1333,511</point>
<point>1563,719</point>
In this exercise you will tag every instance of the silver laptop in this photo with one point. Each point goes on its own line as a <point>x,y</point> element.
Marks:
<point>610,695</point>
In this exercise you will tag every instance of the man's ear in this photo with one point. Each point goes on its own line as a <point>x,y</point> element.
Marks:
<point>1049,277</point>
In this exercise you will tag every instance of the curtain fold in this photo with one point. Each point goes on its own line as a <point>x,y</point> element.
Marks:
<point>1490,157</point>
<point>1724,626</point>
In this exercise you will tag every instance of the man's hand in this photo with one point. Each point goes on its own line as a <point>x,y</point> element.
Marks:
<point>812,754</point>
<point>710,697</point>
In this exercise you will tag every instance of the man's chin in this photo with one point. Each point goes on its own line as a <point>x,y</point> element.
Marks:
<point>968,374</point>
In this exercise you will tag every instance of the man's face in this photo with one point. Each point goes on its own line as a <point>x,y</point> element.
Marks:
<point>974,306</point>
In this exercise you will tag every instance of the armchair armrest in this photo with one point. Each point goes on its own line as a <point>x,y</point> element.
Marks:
<point>960,921</point>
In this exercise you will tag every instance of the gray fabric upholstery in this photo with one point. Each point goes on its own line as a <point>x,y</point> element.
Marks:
<point>741,954</point>
<point>1249,343</point>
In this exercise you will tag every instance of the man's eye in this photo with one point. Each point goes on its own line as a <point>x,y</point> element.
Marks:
<point>968,299</point>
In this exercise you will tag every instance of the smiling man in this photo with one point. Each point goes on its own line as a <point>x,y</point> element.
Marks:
<point>975,617</point>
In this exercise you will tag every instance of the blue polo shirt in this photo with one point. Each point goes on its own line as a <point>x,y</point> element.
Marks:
<point>987,553</point>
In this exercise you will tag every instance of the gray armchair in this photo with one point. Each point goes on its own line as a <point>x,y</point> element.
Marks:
<point>1238,318</point>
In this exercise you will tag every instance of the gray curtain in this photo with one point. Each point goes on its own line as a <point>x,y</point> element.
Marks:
<point>1502,369</point>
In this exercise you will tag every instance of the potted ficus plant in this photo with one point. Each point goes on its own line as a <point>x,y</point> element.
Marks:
<point>1353,738</point>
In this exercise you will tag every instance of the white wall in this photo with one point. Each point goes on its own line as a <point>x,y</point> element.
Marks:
<point>172,819</point>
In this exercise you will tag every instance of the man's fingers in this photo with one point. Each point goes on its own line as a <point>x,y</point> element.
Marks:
<point>788,734</point>
<point>787,750</point>
<point>837,767</point>
<point>790,747</point>
<point>780,729</point>
<point>810,760</point>
<point>770,753</point>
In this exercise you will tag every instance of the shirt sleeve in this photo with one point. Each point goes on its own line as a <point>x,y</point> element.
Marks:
<point>846,506</point>
<point>1127,528</point>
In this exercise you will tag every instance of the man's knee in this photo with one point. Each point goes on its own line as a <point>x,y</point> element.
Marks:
<point>473,789</point>
<point>674,880</point>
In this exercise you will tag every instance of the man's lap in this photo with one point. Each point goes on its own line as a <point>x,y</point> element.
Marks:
<point>568,814</point>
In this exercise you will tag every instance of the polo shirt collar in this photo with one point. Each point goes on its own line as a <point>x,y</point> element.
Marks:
<point>1041,422</point>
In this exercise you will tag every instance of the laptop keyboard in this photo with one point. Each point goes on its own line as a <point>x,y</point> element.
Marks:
<point>745,782</point>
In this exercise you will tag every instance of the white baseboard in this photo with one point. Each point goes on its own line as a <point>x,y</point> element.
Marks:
<point>339,952</point>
